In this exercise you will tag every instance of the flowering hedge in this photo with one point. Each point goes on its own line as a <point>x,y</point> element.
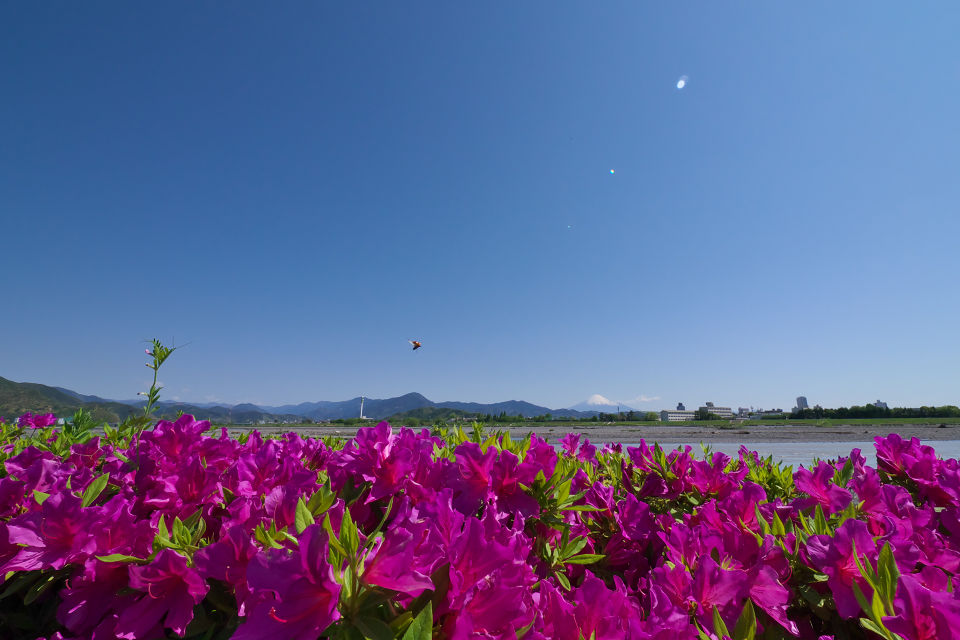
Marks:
<point>174,532</point>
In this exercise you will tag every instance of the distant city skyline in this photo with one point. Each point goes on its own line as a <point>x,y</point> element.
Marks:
<point>636,200</point>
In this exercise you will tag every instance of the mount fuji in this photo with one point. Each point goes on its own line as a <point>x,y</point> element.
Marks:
<point>597,402</point>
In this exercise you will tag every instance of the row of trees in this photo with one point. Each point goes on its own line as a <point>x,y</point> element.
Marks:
<point>873,411</point>
<point>627,416</point>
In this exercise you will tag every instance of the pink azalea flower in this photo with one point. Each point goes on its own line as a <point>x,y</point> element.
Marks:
<point>593,610</point>
<point>171,589</point>
<point>391,563</point>
<point>90,597</point>
<point>227,559</point>
<point>540,457</point>
<point>569,443</point>
<point>30,421</point>
<point>490,580</point>
<point>298,592</point>
<point>819,485</point>
<point>922,613</point>
<point>505,483</point>
<point>474,468</point>
<point>715,586</point>
<point>60,533</point>
<point>834,557</point>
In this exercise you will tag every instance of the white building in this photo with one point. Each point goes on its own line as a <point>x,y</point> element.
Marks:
<point>724,412</point>
<point>677,416</point>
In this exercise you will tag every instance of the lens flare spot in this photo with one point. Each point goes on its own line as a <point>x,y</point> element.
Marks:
<point>682,82</point>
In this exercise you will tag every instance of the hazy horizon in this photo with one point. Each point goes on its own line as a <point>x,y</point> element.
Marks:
<point>596,402</point>
<point>735,203</point>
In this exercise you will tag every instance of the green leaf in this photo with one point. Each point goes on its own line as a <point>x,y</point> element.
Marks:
<point>192,520</point>
<point>373,629</point>
<point>746,627</point>
<point>764,526</point>
<point>522,631</point>
<point>719,626</point>
<point>703,635</point>
<point>22,581</point>
<point>872,626</point>
<point>877,609</point>
<point>586,558</point>
<point>422,626</point>
<point>862,599</point>
<point>198,531</point>
<point>119,557</point>
<point>40,496</point>
<point>866,569</point>
<point>302,518</point>
<point>888,576</point>
<point>180,534</point>
<point>778,529</point>
<point>334,543</point>
<point>260,533</point>
<point>820,522</point>
<point>563,581</point>
<point>401,621</point>
<point>162,539</point>
<point>349,537</point>
<point>40,587</point>
<point>94,489</point>
<point>320,501</point>
<point>574,546</point>
<point>371,539</point>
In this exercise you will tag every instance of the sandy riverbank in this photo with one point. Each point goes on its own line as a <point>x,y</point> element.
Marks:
<point>603,433</point>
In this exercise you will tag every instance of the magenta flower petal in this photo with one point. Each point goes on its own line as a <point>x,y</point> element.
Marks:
<point>297,592</point>
<point>923,614</point>
<point>171,591</point>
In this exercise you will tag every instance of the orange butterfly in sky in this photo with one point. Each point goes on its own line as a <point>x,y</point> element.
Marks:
<point>416,344</point>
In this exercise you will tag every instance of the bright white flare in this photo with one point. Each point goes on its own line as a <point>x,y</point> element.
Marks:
<point>682,82</point>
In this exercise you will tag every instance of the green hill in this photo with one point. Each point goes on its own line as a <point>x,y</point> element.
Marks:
<point>17,398</point>
<point>429,415</point>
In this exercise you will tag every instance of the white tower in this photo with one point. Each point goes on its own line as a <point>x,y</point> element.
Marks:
<point>361,408</point>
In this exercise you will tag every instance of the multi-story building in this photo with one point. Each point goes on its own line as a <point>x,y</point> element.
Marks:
<point>723,412</point>
<point>677,415</point>
<point>802,403</point>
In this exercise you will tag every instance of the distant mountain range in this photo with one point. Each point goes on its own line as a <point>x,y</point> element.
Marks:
<point>17,398</point>
<point>597,403</point>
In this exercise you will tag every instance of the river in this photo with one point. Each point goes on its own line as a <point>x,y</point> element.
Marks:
<point>803,453</point>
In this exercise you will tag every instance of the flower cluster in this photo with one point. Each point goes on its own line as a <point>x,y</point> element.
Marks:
<point>180,532</point>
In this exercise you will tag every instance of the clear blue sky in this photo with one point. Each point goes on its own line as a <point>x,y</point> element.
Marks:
<point>297,189</point>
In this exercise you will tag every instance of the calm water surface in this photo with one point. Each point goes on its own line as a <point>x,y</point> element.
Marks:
<point>797,453</point>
